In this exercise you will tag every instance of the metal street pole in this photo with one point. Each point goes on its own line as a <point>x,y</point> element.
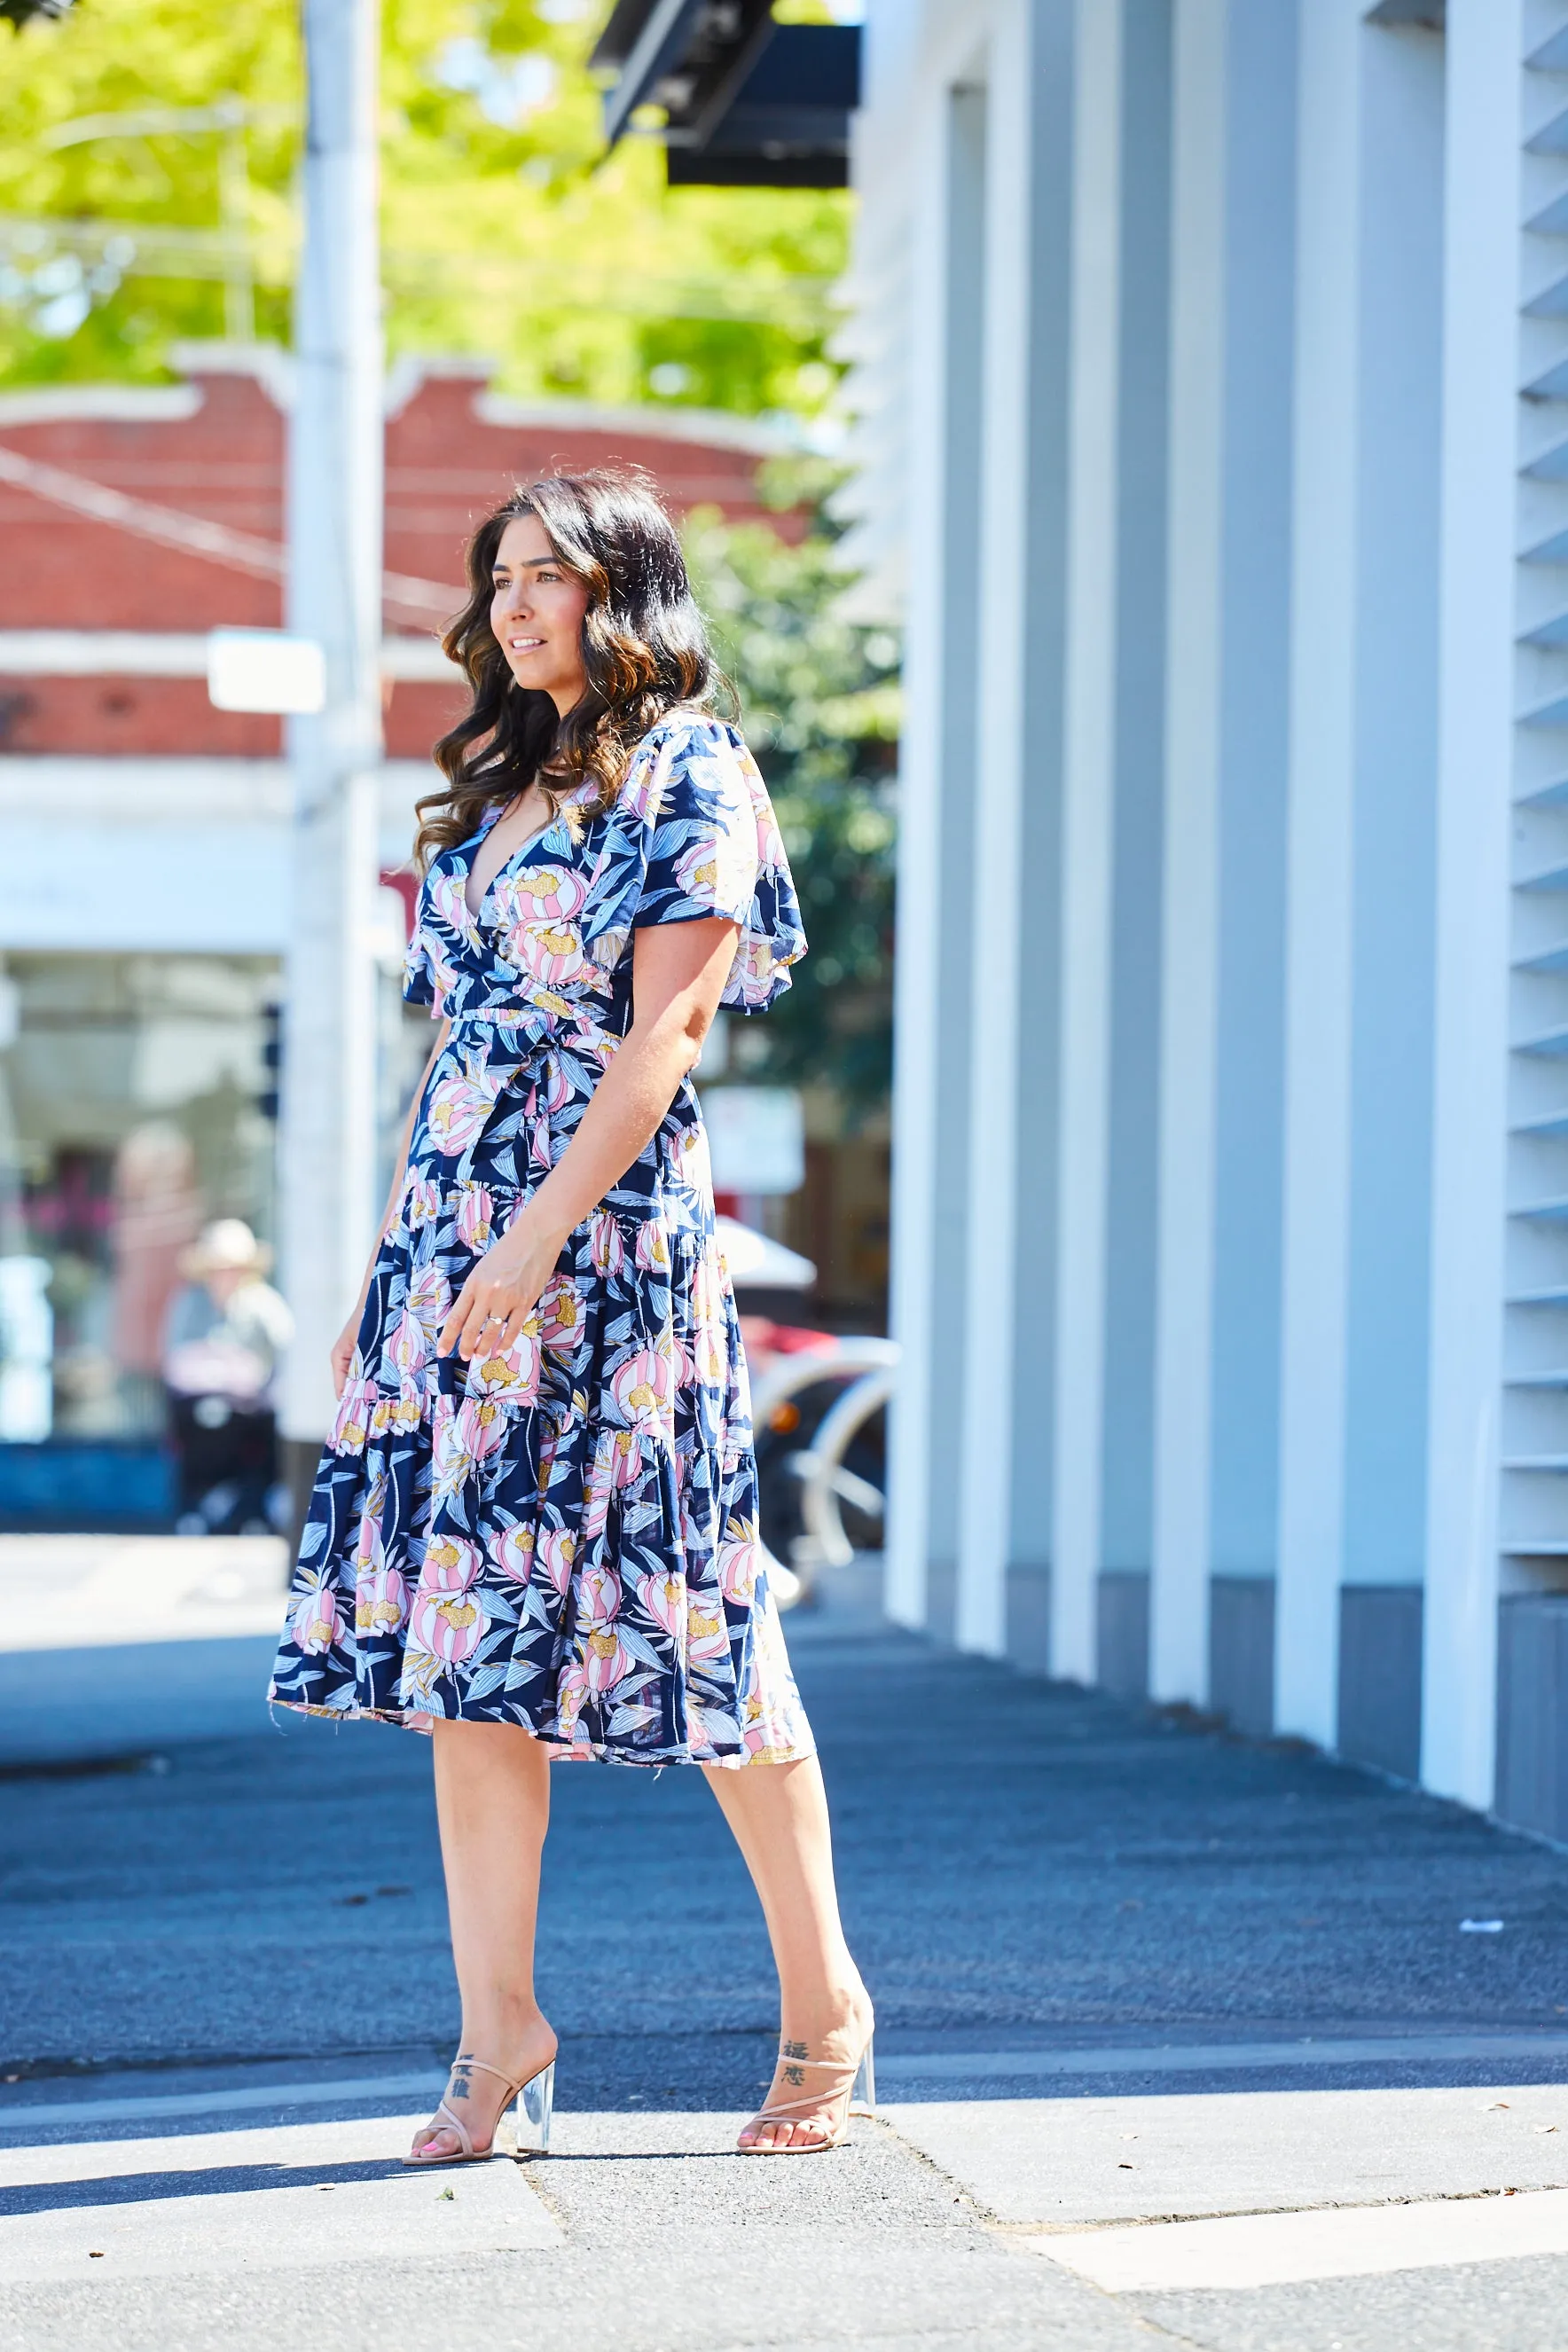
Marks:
<point>327,1132</point>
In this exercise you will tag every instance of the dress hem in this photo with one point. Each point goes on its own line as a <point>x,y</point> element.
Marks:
<point>560,1751</point>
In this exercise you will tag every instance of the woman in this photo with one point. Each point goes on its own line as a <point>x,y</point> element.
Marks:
<point>534,1528</point>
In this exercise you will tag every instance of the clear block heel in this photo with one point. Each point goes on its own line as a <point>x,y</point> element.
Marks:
<point>863,2096</point>
<point>524,2129</point>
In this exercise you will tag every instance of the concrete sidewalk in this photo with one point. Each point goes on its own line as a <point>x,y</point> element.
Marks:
<point>1181,2038</point>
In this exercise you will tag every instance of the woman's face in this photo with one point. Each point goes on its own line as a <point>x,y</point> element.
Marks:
<point>536,613</point>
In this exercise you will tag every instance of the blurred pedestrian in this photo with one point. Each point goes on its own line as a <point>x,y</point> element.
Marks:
<point>535,1528</point>
<point>223,1334</point>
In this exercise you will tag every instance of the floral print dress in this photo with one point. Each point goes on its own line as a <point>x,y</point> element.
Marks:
<point>563,1536</point>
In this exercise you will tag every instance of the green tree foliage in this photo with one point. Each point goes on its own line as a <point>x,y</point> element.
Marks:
<point>507,232</point>
<point>819,702</point>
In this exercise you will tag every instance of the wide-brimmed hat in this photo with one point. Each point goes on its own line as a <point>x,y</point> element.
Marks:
<point>226,1246</point>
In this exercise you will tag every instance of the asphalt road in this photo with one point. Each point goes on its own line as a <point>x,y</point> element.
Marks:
<point>1027,1870</point>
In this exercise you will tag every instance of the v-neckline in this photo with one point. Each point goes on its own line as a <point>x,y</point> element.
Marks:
<point>466,851</point>
<point>504,867</point>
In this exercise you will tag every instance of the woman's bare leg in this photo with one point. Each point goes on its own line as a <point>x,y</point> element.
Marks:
<point>778,1813</point>
<point>492,1801</point>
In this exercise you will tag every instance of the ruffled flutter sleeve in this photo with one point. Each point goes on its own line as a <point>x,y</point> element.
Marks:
<point>418,981</point>
<point>694,835</point>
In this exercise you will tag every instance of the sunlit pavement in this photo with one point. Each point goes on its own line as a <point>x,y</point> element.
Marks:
<point>1182,2040</point>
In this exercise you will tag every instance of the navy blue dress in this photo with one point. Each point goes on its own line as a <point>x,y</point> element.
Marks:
<point>562,1535</point>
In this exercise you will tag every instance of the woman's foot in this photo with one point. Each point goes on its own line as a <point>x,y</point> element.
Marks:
<point>813,2080</point>
<point>478,2093</point>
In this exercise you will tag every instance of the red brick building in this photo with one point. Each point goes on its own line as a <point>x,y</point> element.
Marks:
<point>212,449</point>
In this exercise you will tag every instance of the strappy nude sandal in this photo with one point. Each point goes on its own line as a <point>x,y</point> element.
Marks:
<point>826,2112</point>
<point>522,2129</point>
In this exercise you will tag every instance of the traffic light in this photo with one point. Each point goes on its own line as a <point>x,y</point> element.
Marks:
<point>271,1058</point>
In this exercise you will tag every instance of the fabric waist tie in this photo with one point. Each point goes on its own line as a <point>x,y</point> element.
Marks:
<point>523,1026</point>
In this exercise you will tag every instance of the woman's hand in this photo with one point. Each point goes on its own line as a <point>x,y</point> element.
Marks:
<point>504,1288</point>
<point>343,1346</point>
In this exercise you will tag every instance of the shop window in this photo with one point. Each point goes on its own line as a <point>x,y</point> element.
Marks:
<point>137,1104</point>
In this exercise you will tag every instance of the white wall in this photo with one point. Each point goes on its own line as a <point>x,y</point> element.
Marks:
<point>1231,975</point>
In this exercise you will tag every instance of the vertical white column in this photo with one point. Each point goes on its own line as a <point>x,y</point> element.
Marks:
<point>1088,807</point>
<point>913,1436</point>
<point>1001,759</point>
<point>1178,1665</point>
<point>1480,336</point>
<point>1318,869</point>
<point>326,1140</point>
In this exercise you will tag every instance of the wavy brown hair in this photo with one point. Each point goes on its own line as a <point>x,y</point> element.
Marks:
<point>645,650</point>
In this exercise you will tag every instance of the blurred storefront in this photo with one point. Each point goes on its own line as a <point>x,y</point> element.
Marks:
<point>133,1109</point>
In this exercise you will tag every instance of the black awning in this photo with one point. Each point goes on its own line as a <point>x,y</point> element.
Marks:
<point>748,103</point>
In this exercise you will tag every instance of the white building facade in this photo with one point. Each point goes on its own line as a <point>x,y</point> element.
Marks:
<point>1212,362</point>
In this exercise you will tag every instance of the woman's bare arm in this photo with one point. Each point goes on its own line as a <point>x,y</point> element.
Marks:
<point>679,971</point>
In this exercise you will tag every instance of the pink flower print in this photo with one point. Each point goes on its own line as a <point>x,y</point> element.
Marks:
<point>459,1110</point>
<point>464,1439</point>
<point>770,842</point>
<point>381,1603</point>
<point>707,1638</point>
<point>476,1214</point>
<point>512,1371</point>
<point>598,1595</point>
<point>549,894</point>
<point>604,1662</point>
<point>368,1546</point>
<point>513,1553</point>
<point>443,974</point>
<point>453,1560</point>
<point>709,1339</point>
<point>643,1388</point>
<point>447,899</point>
<point>642,779</point>
<point>652,1247</point>
<point>689,1163</point>
<point>405,1348</point>
<point>559,1088</point>
<point>738,1562</point>
<point>429,1298</point>
<point>550,952</point>
<point>560,1316</point>
<point>449,1625</point>
<point>664,1598</point>
<point>570,1690</point>
<point>608,1244</point>
<point>316,1621</point>
<point>753,970</point>
<point>352,1417</point>
<point>698,871</point>
<point>421,1201</point>
<point>557,1552</point>
<point>602,1482</point>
